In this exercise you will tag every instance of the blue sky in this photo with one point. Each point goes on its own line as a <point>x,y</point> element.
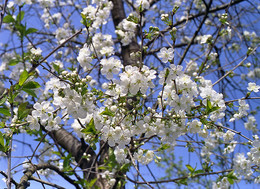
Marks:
<point>22,150</point>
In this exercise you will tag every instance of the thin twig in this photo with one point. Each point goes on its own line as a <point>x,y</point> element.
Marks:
<point>244,98</point>
<point>12,180</point>
<point>2,14</point>
<point>196,33</point>
<point>239,64</point>
<point>45,182</point>
<point>180,178</point>
<point>234,131</point>
<point>133,161</point>
<point>9,152</point>
<point>53,51</point>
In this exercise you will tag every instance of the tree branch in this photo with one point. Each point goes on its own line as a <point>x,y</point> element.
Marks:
<point>2,14</point>
<point>31,170</point>
<point>180,178</point>
<point>72,145</point>
<point>45,182</point>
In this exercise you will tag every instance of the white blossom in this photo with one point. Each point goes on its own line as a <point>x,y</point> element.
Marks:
<point>110,66</point>
<point>144,3</point>
<point>253,87</point>
<point>166,54</point>
<point>37,51</point>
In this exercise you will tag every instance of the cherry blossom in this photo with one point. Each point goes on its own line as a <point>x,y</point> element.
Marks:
<point>166,54</point>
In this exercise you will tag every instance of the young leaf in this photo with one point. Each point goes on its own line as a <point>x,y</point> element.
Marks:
<point>163,147</point>
<point>20,16</point>
<point>125,167</point>
<point>190,168</point>
<point>22,111</point>
<point>31,85</point>
<point>182,181</point>
<point>230,180</point>
<point>2,142</point>
<point>91,183</point>
<point>2,101</point>
<point>209,106</point>
<point>90,128</point>
<point>13,62</point>
<point>199,171</point>
<point>66,162</point>
<point>8,19</point>
<point>22,29</point>
<point>107,112</point>
<point>5,111</point>
<point>30,92</point>
<point>30,30</point>
<point>56,67</point>
<point>23,77</point>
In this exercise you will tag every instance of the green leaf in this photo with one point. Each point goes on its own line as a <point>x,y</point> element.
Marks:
<point>31,85</point>
<point>83,21</point>
<point>91,183</point>
<point>66,162</point>
<point>199,171</point>
<point>182,181</point>
<point>125,167</point>
<point>230,180</point>
<point>163,147</point>
<point>22,111</point>
<point>56,68</point>
<point>8,19</point>
<point>30,92</point>
<point>20,16</point>
<point>13,62</point>
<point>190,168</point>
<point>3,100</point>
<point>102,168</point>
<point>232,176</point>
<point>209,106</point>
<point>175,8</point>
<point>107,112</point>
<point>22,30</point>
<point>23,77</point>
<point>30,30</point>
<point>90,128</point>
<point>204,121</point>
<point>2,142</point>
<point>5,111</point>
<point>214,109</point>
<point>133,19</point>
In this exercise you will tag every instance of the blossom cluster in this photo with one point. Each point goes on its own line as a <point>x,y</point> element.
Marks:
<point>110,66</point>
<point>43,113</point>
<point>242,110</point>
<point>131,81</point>
<point>143,3</point>
<point>98,14</point>
<point>48,18</point>
<point>126,31</point>
<point>209,94</point>
<point>102,45</point>
<point>63,33</point>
